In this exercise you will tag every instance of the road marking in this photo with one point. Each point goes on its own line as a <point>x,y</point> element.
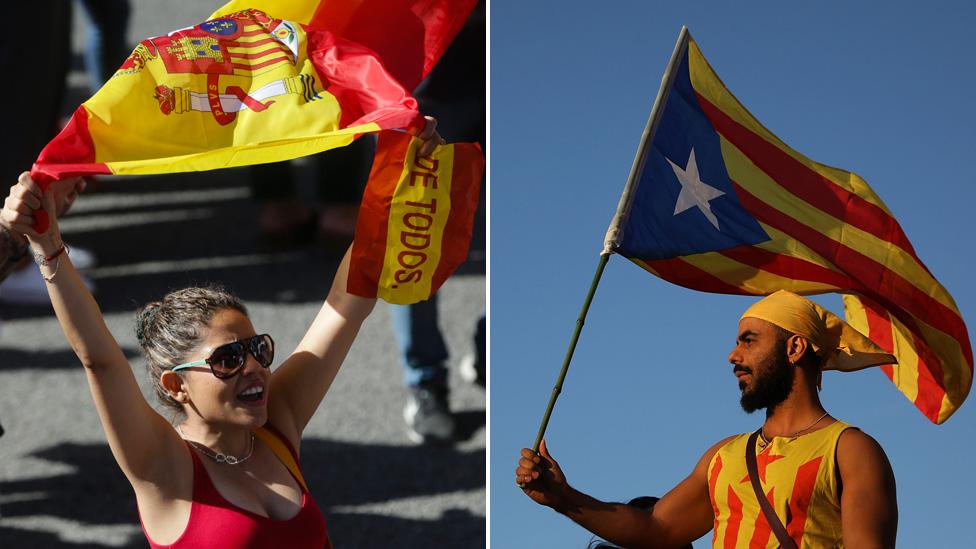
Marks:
<point>194,264</point>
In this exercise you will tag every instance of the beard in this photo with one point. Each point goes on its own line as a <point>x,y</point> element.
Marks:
<point>772,385</point>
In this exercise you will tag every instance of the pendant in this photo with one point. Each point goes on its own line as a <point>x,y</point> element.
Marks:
<point>224,458</point>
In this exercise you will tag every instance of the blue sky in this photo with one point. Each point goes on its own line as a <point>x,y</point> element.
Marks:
<point>883,89</point>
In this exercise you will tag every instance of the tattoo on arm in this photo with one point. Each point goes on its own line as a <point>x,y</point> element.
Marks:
<point>13,249</point>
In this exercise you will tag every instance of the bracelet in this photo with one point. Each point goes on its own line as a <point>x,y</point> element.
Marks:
<point>57,266</point>
<point>41,259</point>
<point>60,251</point>
<point>46,261</point>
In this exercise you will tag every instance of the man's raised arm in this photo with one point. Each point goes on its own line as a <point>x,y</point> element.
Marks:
<point>681,516</point>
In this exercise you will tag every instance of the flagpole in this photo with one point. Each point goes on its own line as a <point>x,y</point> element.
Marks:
<point>558,388</point>
<point>614,233</point>
<point>623,210</point>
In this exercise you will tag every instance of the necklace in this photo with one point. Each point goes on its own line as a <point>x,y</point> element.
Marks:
<point>763,441</point>
<point>219,457</point>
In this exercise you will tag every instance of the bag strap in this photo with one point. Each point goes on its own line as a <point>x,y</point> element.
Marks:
<point>282,452</point>
<point>776,525</point>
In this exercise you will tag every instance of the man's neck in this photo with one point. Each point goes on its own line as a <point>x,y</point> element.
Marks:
<point>795,415</point>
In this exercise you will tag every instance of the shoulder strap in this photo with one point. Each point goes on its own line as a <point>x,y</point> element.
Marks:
<point>282,452</point>
<point>776,525</point>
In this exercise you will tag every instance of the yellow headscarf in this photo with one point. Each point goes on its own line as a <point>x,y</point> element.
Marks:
<point>845,348</point>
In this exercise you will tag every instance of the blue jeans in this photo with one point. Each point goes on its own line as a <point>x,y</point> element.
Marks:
<point>454,93</point>
<point>107,46</point>
<point>422,350</point>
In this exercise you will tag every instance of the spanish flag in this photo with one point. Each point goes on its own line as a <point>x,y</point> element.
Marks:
<point>410,36</point>
<point>245,88</point>
<point>720,204</point>
<point>249,87</point>
<point>414,225</point>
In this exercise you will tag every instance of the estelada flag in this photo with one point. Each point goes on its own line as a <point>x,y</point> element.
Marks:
<point>408,35</point>
<point>245,88</point>
<point>720,204</point>
<point>414,224</point>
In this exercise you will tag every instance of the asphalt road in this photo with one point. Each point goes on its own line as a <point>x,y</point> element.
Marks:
<point>59,485</point>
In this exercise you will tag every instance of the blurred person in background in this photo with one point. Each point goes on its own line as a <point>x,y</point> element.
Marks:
<point>644,503</point>
<point>106,46</point>
<point>288,216</point>
<point>454,93</point>
<point>39,115</point>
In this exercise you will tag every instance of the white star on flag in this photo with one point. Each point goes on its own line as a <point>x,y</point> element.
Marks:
<point>694,191</point>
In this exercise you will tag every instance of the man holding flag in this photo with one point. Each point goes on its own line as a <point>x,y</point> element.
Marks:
<point>717,203</point>
<point>832,481</point>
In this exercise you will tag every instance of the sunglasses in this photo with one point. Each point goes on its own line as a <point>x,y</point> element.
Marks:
<point>227,360</point>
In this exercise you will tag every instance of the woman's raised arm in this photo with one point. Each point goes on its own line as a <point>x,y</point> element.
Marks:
<point>137,435</point>
<point>300,383</point>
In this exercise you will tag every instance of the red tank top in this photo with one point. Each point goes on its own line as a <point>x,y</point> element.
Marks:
<point>217,523</point>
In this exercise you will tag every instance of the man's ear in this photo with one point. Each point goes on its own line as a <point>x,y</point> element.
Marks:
<point>796,347</point>
<point>174,385</point>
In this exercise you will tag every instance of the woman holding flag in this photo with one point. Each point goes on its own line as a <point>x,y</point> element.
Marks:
<point>227,474</point>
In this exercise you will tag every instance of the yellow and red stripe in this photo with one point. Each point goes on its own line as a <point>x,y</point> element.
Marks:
<point>410,36</point>
<point>828,232</point>
<point>255,49</point>
<point>415,221</point>
<point>799,481</point>
<point>123,130</point>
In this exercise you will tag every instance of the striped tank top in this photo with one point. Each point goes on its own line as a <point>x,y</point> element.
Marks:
<point>800,479</point>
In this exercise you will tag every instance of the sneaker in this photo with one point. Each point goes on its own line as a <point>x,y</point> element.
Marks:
<point>472,370</point>
<point>428,418</point>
